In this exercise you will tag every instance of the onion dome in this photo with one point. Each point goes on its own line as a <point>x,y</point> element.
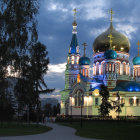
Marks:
<point>120,41</point>
<point>110,54</point>
<point>136,60</point>
<point>84,60</point>
<point>74,23</point>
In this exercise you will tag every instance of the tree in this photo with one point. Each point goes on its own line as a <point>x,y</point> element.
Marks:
<point>48,110</point>
<point>117,105</point>
<point>37,69</point>
<point>17,33</point>
<point>19,40</point>
<point>105,106</point>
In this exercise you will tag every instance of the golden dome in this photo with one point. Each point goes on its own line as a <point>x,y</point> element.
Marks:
<point>120,41</point>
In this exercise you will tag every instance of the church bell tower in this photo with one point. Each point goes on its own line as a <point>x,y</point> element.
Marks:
<point>72,66</point>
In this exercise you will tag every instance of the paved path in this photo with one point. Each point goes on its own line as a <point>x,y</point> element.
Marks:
<point>57,133</point>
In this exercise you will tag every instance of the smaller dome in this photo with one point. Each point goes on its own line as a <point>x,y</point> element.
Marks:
<point>84,60</point>
<point>136,60</point>
<point>74,23</point>
<point>110,54</point>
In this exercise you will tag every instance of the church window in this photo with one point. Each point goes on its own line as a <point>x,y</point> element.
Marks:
<point>96,101</point>
<point>77,59</point>
<point>122,100</point>
<point>78,78</point>
<point>83,72</point>
<point>113,67</point>
<point>79,99</point>
<point>138,72</point>
<point>137,101</point>
<point>131,101</point>
<point>110,67</point>
<point>124,68</point>
<point>97,69</point>
<point>72,60</point>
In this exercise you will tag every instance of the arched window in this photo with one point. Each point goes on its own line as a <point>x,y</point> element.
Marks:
<point>97,69</point>
<point>102,67</point>
<point>131,101</point>
<point>110,67</point>
<point>113,67</point>
<point>106,68</point>
<point>77,59</point>
<point>72,60</point>
<point>79,98</point>
<point>138,72</point>
<point>137,101</point>
<point>124,69</point>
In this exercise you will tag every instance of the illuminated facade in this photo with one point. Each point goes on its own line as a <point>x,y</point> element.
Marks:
<point>111,67</point>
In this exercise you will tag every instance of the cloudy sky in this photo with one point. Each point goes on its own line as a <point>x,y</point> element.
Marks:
<point>55,29</point>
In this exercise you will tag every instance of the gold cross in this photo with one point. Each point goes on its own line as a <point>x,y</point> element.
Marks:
<point>138,43</point>
<point>75,11</point>
<point>84,44</point>
<point>111,13</point>
<point>110,41</point>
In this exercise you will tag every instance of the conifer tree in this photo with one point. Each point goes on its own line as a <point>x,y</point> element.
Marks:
<point>117,105</point>
<point>105,106</point>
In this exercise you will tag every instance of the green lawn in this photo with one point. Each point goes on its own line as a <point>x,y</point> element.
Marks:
<point>107,130</point>
<point>21,129</point>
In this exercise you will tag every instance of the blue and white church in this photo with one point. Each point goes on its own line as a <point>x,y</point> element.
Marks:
<point>110,66</point>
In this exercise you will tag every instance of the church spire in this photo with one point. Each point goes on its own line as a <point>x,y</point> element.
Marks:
<point>74,42</point>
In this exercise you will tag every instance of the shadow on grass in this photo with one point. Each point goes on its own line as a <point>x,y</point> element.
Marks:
<point>107,130</point>
<point>14,129</point>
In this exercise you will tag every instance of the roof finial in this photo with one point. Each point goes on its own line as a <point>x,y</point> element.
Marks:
<point>111,13</point>
<point>75,11</point>
<point>138,43</point>
<point>74,22</point>
<point>85,45</point>
<point>110,41</point>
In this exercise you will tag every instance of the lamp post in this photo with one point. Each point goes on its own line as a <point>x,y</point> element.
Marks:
<point>87,105</point>
<point>81,110</point>
<point>71,108</point>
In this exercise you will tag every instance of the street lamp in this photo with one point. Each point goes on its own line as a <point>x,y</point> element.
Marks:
<point>71,107</point>
<point>81,110</point>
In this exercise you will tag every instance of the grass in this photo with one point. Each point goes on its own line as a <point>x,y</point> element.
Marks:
<point>107,130</point>
<point>14,129</point>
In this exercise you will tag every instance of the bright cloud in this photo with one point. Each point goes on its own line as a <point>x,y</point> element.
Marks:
<point>57,68</point>
<point>95,32</point>
<point>56,6</point>
<point>90,10</point>
<point>93,9</point>
<point>128,30</point>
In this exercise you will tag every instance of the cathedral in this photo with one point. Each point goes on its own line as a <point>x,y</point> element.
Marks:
<point>110,66</point>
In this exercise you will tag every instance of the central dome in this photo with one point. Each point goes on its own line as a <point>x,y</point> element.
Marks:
<point>120,41</point>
